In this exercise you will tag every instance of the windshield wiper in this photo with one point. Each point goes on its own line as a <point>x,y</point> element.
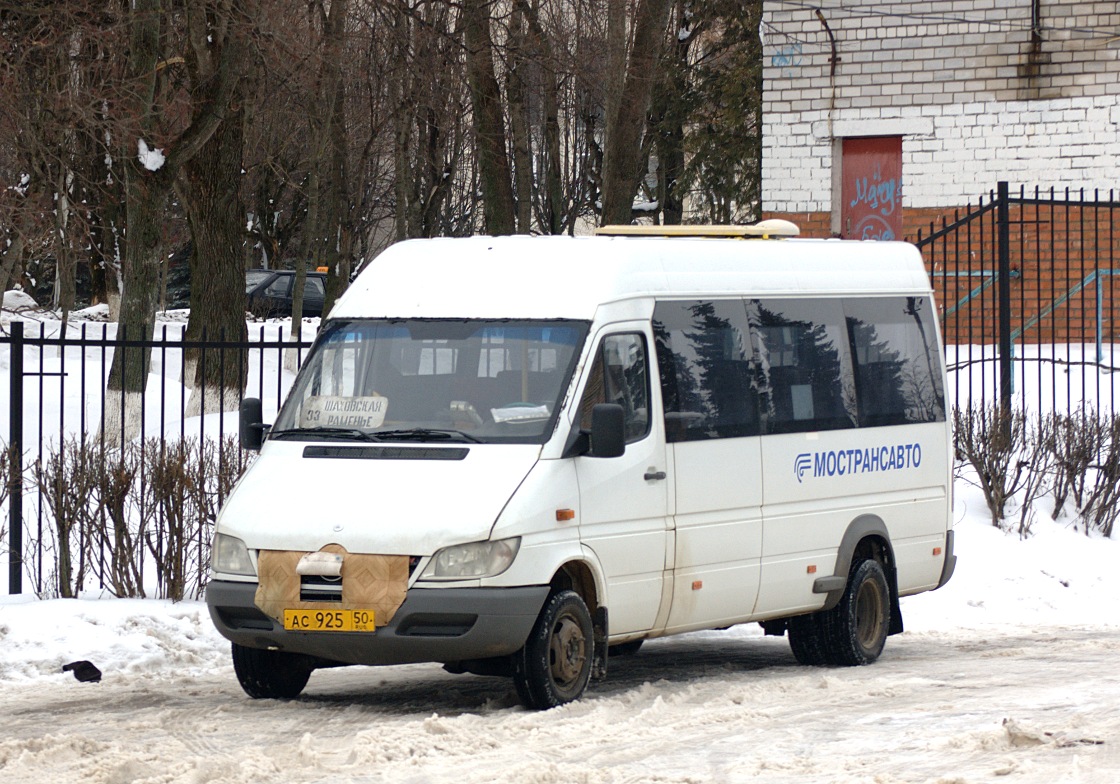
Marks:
<point>349,433</point>
<point>423,434</point>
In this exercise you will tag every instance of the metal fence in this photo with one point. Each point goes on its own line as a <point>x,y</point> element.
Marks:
<point>1025,285</point>
<point>58,408</point>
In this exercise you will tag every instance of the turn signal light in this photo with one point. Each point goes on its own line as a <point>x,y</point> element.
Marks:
<point>564,515</point>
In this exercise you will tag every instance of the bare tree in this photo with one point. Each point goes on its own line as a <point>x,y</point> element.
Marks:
<point>622,155</point>
<point>51,74</point>
<point>489,124</point>
<point>209,186</point>
<point>155,145</point>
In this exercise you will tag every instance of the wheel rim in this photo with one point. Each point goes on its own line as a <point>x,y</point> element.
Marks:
<point>567,653</point>
<point>869,614</point>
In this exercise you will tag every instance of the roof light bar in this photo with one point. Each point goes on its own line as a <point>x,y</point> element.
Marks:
<point>775,227</point>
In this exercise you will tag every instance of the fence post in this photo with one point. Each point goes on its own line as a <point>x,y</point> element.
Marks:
<point>15,457</point>
<point>1003,224</point>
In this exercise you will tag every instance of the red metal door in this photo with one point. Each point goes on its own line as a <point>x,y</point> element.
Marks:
<point>871,188</point>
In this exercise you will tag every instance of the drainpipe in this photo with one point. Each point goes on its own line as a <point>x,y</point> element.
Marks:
<point>832,61</point>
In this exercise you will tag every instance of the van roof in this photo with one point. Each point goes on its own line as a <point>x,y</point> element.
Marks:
<point>570,277</point>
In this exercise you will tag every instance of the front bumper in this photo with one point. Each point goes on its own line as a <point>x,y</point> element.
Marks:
<point>433,625</point>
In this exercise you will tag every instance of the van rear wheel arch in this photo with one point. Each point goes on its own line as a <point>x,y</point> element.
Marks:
<point>866,538</point>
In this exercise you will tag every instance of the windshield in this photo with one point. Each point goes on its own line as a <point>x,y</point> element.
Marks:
<point>433,380</point>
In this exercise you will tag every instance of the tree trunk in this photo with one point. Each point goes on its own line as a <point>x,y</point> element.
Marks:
<point>519,122</point>
<point>336,212</point>
<point>209,186</point>
<point>307,256</point>
<point>11,259</point>
<point>489,127</point>
<point>622,155</point>
<point>553,208</point>
<point>145,200</point>
<point>669,114</point>
<point>404,182</point>
<point>616,64</point>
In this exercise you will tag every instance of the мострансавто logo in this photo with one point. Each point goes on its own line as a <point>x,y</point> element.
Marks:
<point>842,462</point>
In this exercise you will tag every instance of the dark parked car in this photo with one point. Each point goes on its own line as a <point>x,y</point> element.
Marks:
<point>269,292</point>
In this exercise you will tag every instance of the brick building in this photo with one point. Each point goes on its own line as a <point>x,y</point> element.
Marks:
<point>880,116</point>
<point>885,119</point>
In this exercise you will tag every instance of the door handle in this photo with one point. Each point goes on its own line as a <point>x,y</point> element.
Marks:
<point>651,476</point>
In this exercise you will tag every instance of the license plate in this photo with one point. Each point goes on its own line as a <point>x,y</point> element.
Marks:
<point>328,620</point>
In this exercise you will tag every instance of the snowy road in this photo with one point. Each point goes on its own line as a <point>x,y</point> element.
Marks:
<point>1007,674</point>
<point>1035,705</point>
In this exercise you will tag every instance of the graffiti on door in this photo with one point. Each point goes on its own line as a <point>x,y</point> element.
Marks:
<point>871,192</point>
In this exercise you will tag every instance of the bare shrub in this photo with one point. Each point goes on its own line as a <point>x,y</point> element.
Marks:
<point>1102,491</point>
<point>1036,460</point>
<point>110,510</point>
<point>171,475</point>
<point>222,466</point>
<point>67,480</point>
<point>989,439</point>
<point>118,527</point>
<point>6,488</point>
<point>186,483</point>
<point>1077,444</point>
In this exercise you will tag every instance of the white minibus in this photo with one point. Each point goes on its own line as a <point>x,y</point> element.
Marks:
<point>520,455</point>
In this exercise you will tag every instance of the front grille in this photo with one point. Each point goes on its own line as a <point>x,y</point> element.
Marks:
<point>316,588</point>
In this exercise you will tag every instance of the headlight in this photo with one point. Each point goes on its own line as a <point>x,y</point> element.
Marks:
<point>230,556</point>
<point>477,559</point>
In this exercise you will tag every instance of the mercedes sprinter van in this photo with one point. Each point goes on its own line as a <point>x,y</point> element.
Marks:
<point>515,455</point>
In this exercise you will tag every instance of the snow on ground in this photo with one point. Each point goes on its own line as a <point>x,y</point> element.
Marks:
<point>1006,674</point>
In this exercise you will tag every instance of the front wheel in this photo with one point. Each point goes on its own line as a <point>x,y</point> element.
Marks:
<point>269,674</point>
<point>555,664</point>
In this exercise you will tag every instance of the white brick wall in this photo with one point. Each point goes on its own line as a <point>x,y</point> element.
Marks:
<point>975,97</point>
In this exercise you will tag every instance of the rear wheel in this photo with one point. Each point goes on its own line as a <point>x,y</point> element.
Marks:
<point>269,674</point>
<point>856,629</point>
<point>554,666</point>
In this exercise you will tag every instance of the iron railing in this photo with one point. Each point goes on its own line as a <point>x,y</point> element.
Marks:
<point>1025,285</point>
<point>57,396</point>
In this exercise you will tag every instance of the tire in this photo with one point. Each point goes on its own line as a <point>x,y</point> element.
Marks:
<point>806,640</point>
<point>554,666</point>
<point>855,630</point>
<point>269,674</point>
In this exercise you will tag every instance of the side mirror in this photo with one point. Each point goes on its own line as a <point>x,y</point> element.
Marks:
<point>251,426</point>
<point>608,430</point>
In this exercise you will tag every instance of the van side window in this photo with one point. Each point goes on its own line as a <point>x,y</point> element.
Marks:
<point>710,370</point>
<point>809,384</point>
<point>897,363</point>
<point>620,374</point>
